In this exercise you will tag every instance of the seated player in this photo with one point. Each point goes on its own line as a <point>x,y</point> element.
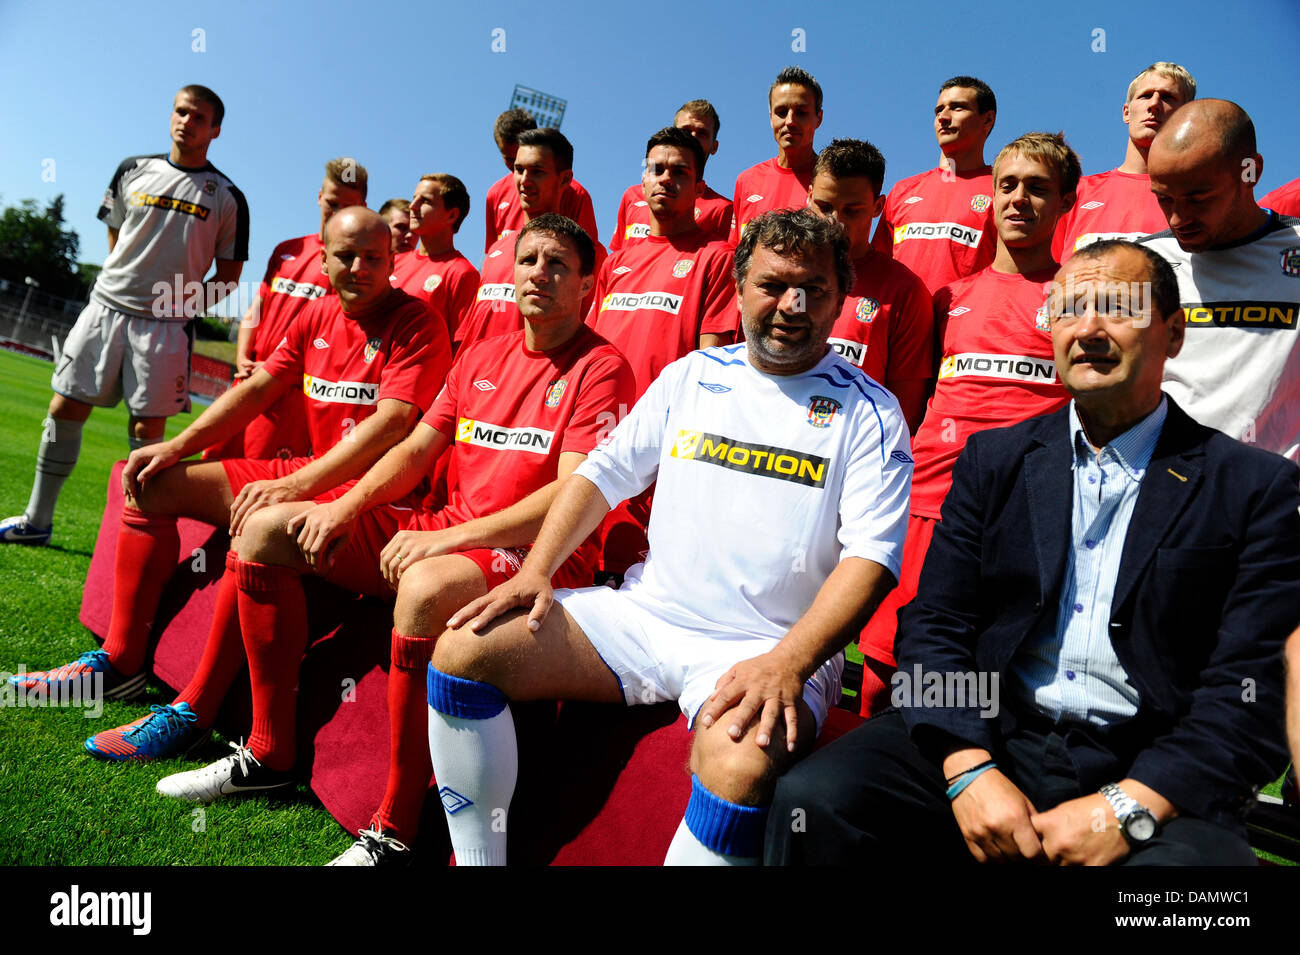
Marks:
<point>553,388</point>
<point>436,271</point>
<point>938,223</point>
<point>659,298</point>
<point>542,171</point>
<point>887,325</point>
<point>397,213</point>
<point>782,491</point>
<point>502,208</point>
<point>997,365</point>
<point>1119,204</point>
<point>295,275</point>
<point>1284,200</point>
<point>712,211</point>
<point>794,106</point>
<point>381,365</point>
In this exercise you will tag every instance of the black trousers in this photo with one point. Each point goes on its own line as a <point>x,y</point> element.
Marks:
<point>872,797</point>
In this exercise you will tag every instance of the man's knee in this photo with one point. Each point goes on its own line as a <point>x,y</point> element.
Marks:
<point>482,656</point>
<point>64,408</point>
<point>264,538</point>
<point>146,429</point>
<point>739,771</point>
<point>432,590</point>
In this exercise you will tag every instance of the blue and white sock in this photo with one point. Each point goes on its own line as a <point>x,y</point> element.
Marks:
<point>476,763</point>
<point>717,832</point>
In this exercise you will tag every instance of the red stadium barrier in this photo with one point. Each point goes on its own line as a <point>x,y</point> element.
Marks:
<point>210,377</point>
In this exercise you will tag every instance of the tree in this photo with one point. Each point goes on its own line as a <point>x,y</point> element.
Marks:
<point>35,243</point>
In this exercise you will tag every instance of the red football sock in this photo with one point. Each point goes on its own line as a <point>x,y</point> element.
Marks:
<point>148,546</point>
<point>409,766</point>
<point>223,654</point>
<point>273,618</point>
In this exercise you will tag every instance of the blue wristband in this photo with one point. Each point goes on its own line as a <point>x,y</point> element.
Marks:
<point>968,777</point>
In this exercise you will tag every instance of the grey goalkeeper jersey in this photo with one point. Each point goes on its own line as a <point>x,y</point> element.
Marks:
<point>1239,370</point>
<point>172,222</point>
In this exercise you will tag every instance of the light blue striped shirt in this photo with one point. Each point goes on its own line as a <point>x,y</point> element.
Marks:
<point>1073,674</point>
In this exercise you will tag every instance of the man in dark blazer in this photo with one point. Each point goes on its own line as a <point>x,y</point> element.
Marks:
<point>1091,670</point>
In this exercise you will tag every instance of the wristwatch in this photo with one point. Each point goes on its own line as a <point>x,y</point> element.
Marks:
<point>1135,820</point>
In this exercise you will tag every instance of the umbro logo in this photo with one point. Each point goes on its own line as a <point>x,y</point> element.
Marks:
<point>494,253</point>
<point>754,198</point>
<point>1092,205</point>
<point>959,310</point>
<point>911,199</point>
<point>901,456</point>
<point>504,205</point>
<point>640,204</point>
<point>321,343</point>
<point>288,257</point>
<point>484,385</point>
<point>621,270</point>
<point>715,388</point>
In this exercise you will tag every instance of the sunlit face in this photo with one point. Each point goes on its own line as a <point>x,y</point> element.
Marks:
<point>399,228</point>
<point>1154,101</point>
<point>429,214</point>
<point>549,284</point>
<point>851,202</point>
<point>701,127</point>
<point>958,123</point>
<point>669,183</point>
<point>358,259</point>
<point>1027,201</point>
<point>538,181</point>
<point>787,307</point>
<point>334,196</point>
<point>192,128</point>
<point>793,113</point>
<point>1204,196</point>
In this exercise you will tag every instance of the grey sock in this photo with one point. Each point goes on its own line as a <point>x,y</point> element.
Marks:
<point>55,459</point>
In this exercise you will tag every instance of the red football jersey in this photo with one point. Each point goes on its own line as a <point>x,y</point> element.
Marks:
<point>295,275</point>
<point>346,363</point>
<point>511,413</point>
<point>494,311</point>
<point>886,327</point>
<point>656,297</point>
<point>712,215</point>
<point>765,188</point>
<point>940,228</point>
<point>505,215</point>
<point>447,282</point>
<point>997,370</point>
<point>1109,205</point>
<point>1284,200</point>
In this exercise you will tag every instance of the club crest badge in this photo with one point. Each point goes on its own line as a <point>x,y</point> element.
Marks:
<point>1291,262</point>
<point>821,411</point>
<point>866,311</point>
<point>980,202</point>
<point>555,392</point>
<point>372,349</point>
<point>432,282</point>
<point>210,187</point>
<point>1041,321</point>
<point>682,268</point>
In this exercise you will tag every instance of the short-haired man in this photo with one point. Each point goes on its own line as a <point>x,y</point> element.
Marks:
<point>766,452</point>
<point>661,297</point>
<point>996,367</point>
<point>397,213</point>
<point>169,217</point>
<point>555,383</point>
<point>1238,269</point>
<point>887,325</point>
<point>1119,204</point>
<point>368,361</point>
<point>543,168</point>
<point>939,223</point>
<point>436,272</point>
<point>712,211</point>
<point>295,275</point>
<point>502,209</point>
<point>794,108</point>
<point>1284,200</point>
<point>1104,583</point>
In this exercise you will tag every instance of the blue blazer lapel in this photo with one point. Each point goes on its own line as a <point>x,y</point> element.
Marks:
<point>1048,484</point>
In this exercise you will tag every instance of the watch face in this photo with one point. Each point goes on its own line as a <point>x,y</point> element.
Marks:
<point>1140,825</point>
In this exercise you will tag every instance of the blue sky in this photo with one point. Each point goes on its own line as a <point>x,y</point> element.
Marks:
<point>410,88</point>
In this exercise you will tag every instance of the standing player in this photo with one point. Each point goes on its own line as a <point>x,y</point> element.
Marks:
<point>660,298</point>
<point>369,361</point>
<point>712,211</point>
<point>1284,200</point>
<point>502,208</point>
<point>1119,204</point>
<point>997,367</point>
<point>295,275</point>
<point>556,383</point>
<point>1238,269</point>
<point>762,450</point>
<point>436,272</point>
<point>543,170</point>
<point>939,223</point>
<point>169,217</point>
<point>794,106</point>
<point>886,327</point>
<point>397,213</point>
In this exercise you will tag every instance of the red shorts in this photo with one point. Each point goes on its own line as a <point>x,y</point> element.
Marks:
<point>877,640</point>
<point>356,566</point>
<point>622,533</point>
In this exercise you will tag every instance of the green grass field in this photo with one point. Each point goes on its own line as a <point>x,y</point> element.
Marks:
<point>59,806</point>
